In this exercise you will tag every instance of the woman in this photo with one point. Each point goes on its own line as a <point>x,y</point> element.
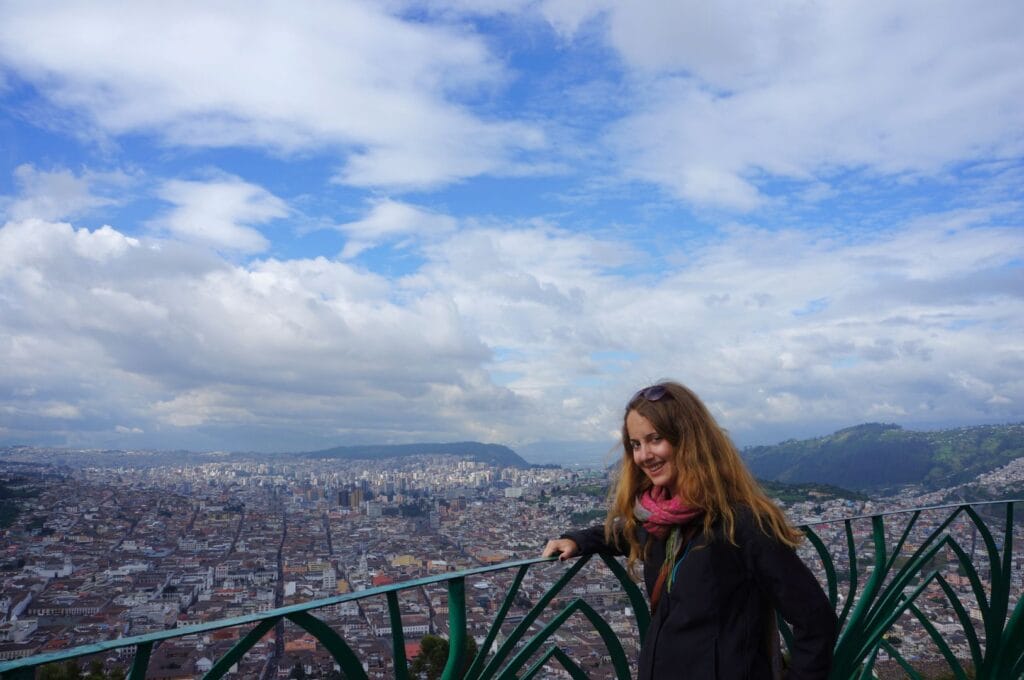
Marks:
<point>718,555</point>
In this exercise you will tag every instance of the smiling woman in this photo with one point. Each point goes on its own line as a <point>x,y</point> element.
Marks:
<point>651,451</point>
<point>718,556</point>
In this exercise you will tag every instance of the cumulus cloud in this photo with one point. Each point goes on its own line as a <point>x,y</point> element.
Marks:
<point>174,338</point>
<point>543,305</point>
<point>391,96</point>
<point>219,212</point>
<point>899,309</point>
<point>388,221</point>
<point>517,334</point>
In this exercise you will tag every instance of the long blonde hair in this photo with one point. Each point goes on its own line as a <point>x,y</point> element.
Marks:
<point>710,474</point>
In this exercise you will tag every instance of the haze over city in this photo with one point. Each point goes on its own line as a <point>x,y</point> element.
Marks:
<point>287,227</point>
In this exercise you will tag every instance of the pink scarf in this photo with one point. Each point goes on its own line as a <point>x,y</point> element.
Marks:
<point>659,513</point>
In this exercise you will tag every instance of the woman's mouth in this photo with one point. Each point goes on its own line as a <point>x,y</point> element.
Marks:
<point>654,468</point>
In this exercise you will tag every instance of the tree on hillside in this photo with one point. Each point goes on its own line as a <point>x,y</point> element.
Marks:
<point>69,670</point>
<point>433,656</point>
<point>98,672</point>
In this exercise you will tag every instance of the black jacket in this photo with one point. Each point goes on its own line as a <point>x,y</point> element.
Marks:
<point>714,622</point>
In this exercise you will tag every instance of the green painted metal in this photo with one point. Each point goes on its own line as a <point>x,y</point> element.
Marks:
<point>907,668</point>
<point>891,592</point>
<point>520,630</point>
<point>397,637</point>
<point>851,554</point>
<point>478,663</point>
<point>831,581</point>
<point>607,634</point>
<point>863,608</point>
<point>865,673</point>
<point>338,648</point>
<point>238,650</point>
<point>871,603</point>
<point>1012,647</point>
<point>637,601</point>
<point>135,640</point>
<point>456,629</point>
<point>947,653</point>
<point>141,661</point>
<point>903,538</point>
<point>879,619</point>
<point>556,653</point>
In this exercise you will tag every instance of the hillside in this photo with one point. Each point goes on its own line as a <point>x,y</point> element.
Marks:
<point>495,454</point>
<point>876,455</point>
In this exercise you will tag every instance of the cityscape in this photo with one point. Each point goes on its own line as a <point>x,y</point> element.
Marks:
<point>318,320</point>
<point>135,547</point>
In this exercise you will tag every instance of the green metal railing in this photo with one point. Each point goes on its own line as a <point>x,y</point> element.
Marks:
<point>897,580</point>
<point>905,556</point>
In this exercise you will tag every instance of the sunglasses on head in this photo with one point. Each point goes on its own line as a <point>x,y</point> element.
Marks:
<point>652,393</point>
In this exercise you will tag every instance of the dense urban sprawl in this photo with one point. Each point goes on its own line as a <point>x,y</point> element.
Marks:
<point>109,551</point>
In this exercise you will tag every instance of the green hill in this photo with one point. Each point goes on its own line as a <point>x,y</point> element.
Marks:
<point>791,493</point>
<point>876,455</point>
<point>495,454</point>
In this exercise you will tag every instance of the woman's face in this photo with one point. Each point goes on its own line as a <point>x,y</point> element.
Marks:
<point>652,453</point>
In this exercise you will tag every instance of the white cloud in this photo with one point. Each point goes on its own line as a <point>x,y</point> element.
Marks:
<point>566,16</point>
<point>505,328</point>
<point>899,305</point>
<point>731,94</point>
<point>29,248</point>
<point>516,334</point>
<point>391,96</point>
<point>389,220</point>
<point>466,7</point>
<point>167,337</point>
<point>199,407</point>
<point>59,193</point>
<point>220,212</point>
<point>61,411</point>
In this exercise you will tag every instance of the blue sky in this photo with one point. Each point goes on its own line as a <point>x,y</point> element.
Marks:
<point>271,226</point>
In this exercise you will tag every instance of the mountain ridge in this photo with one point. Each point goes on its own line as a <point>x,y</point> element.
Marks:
<point>495,454</point>
<point>878,455</point>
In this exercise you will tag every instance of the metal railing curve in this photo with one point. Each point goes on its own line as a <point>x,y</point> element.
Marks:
<point>900,575</point>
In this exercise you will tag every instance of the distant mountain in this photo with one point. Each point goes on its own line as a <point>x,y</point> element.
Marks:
<point>877,455</point>
<point>495,454</point>
<point>571,453</point>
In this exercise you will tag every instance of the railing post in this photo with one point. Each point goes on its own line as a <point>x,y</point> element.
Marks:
<point>481,655</point>
<point>456,629</point>
<point>397,637</point>
<point>141,661</point>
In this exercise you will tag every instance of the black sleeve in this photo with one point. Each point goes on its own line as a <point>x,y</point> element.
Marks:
<point>591,541</point>
<point>795,593</point>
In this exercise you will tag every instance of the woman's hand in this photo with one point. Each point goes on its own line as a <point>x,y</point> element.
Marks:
<point>563,547</point>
